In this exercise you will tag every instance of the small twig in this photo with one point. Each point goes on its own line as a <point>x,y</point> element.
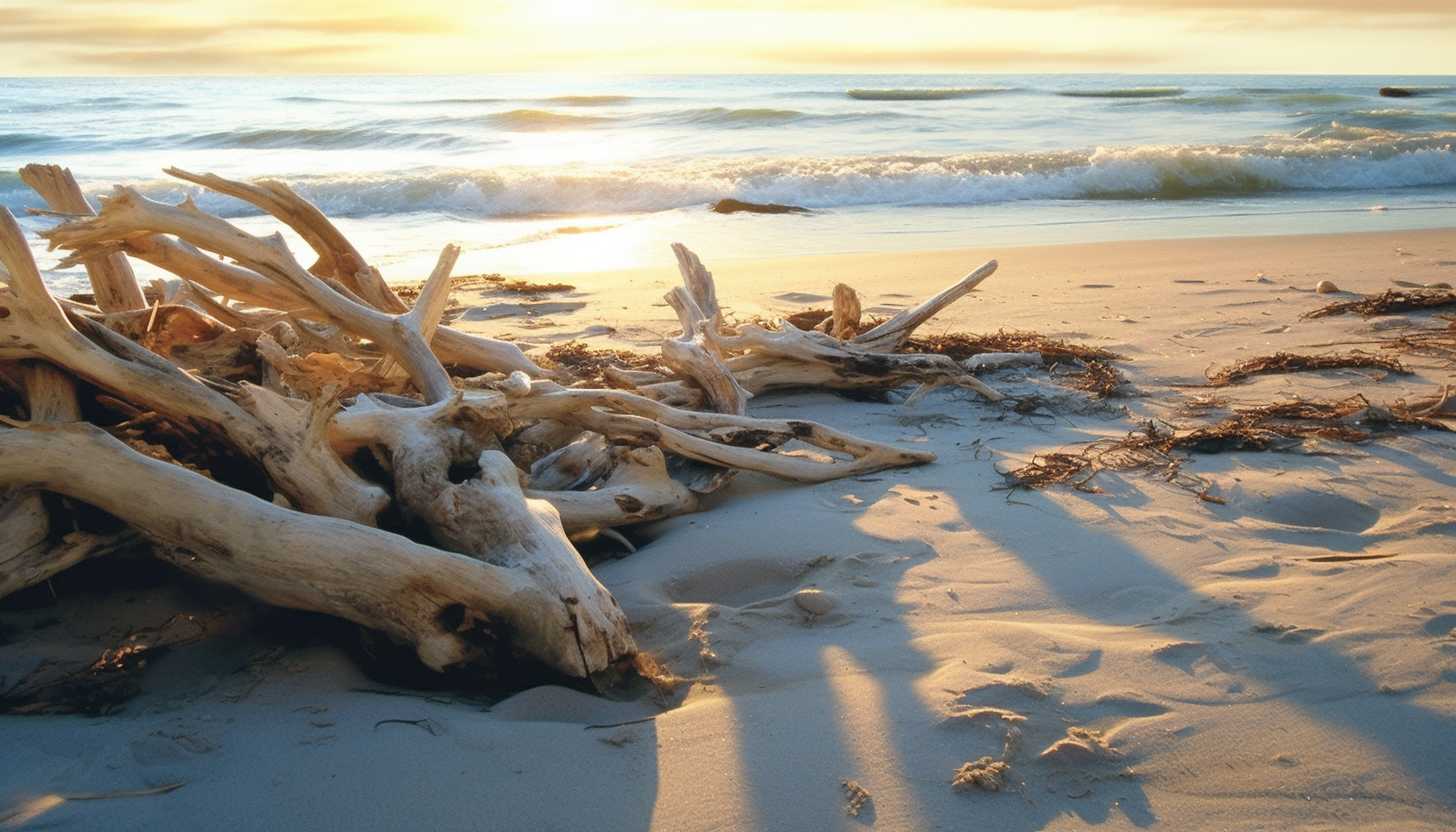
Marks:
<point>170,787</point>
<point>427,724</point>
<point>619,724</point>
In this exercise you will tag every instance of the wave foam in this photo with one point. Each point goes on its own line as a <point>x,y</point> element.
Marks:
<point>920,93</point>
<point>1357,161</point>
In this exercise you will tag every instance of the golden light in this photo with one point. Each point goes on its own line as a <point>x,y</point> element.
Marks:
<point>572,10</point>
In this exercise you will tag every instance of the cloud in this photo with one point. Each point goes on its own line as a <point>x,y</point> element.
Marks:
<point>1325,8</point>
<point>967,57</point>
<point>32,26</point>
<point>364,26</point>
<point>226,60</point>
<point>111,36</point>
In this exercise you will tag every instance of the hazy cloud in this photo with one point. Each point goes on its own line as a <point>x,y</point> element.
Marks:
<point>250,60</point>
<point>966,56</point>
<point>30,26</point>
<point>1338,8</point>
<point>362,26</point>
<point>1334,7</point>
<point>105,38</point>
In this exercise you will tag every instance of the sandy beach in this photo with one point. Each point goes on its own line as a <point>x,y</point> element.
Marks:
<point>1266,640</point>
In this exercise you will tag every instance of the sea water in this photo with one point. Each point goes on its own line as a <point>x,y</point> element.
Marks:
<point>545,173</point>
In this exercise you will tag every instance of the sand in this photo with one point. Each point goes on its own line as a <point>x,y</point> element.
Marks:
<point>1277,653</point>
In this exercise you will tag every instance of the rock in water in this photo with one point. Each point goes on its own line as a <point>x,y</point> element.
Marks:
<point>1396,92</point>
<point>733,206</point>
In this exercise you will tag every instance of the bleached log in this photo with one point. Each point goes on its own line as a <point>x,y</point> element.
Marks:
<point>688,358</point>
<point>420,446</point>
<point>111,276</point>
<point>25,541</point>
<point>693,355</point>
<point>698,282</point>
<point>638,490</point>
<point>34,326</point>
<point>438,601</point>
<point>217,276</point>
<point>338,259</point>
<point>577,464</point>
<point>792,357</point>
<point>31,551</point>
<point>731,365</point>
<point>337,256</point>
<point>723,439</point>
<point>892,333</point>
<point>486,515</point>
<point>424,318</point>
<point>258,284</point>
<point>127,213</point>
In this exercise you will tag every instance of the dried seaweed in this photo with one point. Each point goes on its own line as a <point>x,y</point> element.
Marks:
<point>1279,426</point>
<point>1097,378</point>
<point>1083,368</point>
<point>113,677</point>
<point>1391,300</point>
<point>960,346</point>
<point>1284,362</point>
<point>1440,343</point>
<point>575,362</point>
<point>486,282</point>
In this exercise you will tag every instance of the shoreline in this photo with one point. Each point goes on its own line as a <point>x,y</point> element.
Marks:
<point>625,307</point>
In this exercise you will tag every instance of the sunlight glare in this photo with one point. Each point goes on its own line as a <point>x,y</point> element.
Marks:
<point>572,10</point>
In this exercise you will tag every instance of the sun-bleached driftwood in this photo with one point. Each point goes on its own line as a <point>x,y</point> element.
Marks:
<point>693,355</point>
<point>112,280</point>
<point>34,327</point>
<point>25,528</point>
<point>348,286</point>
<point>446,605</point>
<point>338,259</point>
<point>128,213</point>
<point>896,330</point>
<point>339,393</point>
<point>729,364</point>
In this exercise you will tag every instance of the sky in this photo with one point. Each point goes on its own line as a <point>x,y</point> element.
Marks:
<point>286,37</point>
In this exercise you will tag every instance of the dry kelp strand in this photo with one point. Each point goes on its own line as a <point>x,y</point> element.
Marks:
<point>1391,300</point>
<point>1284,362</point>
<point>1277,426</point>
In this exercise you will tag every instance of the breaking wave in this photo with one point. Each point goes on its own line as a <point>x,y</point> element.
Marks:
<point>1335,157</point>
<point>920,93</point>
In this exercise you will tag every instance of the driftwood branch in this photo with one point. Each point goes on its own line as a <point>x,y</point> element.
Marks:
<point>33,326</point>
<point>128,213</point>
<point>338,259</point>
<point>338,399</point>
<point>112,279</point>
<point>444,604</point>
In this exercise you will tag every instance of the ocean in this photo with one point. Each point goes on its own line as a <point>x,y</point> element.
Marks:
<point>547,173</point>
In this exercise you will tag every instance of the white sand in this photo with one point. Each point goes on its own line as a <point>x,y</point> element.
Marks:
<point>1137,657</point>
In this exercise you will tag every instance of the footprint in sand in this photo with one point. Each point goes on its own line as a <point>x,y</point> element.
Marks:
<point>1297,499</point>
<point>1441,626</point>
<point>1003,720</point>
<point>1285,633</point>
<point>736,583</point>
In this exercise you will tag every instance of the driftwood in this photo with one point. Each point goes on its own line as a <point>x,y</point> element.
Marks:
<point>294,431</point>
